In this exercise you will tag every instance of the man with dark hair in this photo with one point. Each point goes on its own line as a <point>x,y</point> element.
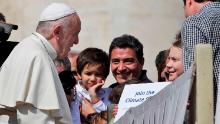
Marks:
<point>202,25</point>
<point>127,61</point>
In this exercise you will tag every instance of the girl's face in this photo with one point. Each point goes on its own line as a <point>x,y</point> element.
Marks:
<point>174,63</point>
<point>91,75</point>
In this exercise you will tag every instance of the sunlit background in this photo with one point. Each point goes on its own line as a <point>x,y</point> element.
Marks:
<point>154,22</point>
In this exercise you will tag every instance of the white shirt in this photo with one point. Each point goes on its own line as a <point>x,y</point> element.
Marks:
<point>103,94</point>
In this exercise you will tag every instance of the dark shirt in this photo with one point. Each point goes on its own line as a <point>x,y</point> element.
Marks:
<point>143,79</point>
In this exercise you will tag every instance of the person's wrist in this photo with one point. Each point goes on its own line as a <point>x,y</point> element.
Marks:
<point>95,100</point>
<point>92,93</point>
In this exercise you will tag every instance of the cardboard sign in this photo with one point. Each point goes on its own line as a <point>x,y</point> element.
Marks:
<point>135,94</point>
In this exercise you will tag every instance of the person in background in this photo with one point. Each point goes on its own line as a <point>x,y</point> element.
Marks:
<point>29,82</point>
<point>62,64</point>
<point>73,57</point>
<point>68,82</point>
<point>160,62</point>
<point>175,68</point>
<point>202,27</point>
<point>93,69</point>
<point>126,60</point>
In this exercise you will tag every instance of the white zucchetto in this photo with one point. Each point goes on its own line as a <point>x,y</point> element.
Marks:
<point>56,11</point>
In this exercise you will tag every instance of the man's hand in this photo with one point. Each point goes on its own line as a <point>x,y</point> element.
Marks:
<point>86,108</point>
<point>115,110</point>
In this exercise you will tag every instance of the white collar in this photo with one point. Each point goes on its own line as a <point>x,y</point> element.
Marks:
<point>48,47</point>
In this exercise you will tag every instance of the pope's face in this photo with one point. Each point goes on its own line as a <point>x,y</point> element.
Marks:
<point>69,36</point>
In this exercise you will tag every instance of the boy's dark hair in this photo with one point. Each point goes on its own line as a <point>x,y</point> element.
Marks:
<point>201,1</point>
<point>93,56</point>
<point>68,81</point>
<point>128,41</point>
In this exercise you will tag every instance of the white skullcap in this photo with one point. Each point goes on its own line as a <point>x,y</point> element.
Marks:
<point>56,11</point>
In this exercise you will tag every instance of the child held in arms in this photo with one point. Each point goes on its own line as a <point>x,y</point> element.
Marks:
<point>92,68</point>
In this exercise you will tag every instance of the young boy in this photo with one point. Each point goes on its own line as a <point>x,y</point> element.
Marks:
<point>93,68</point>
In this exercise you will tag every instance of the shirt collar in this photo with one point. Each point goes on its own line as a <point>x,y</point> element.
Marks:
<point>213,4</point>
<point>143,75</point>
<point>49,48</point>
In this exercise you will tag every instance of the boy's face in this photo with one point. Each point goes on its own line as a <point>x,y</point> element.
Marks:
<point>91,75</point>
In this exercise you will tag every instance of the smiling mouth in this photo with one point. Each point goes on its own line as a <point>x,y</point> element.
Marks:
<point>167,74</point>
<point>121,75</point>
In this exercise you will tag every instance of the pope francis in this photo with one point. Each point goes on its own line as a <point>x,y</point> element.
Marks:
<point>30,89</point>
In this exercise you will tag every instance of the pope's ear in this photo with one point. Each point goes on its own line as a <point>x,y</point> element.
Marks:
<point>57,30</point>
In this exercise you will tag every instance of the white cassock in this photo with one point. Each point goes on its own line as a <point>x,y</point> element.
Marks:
<point>29,82</point>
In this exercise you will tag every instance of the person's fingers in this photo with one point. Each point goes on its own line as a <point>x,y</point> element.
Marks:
<point>114,113</point>
<point>100,84</point>
<point>115,110</point>
<point>96,86</point>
